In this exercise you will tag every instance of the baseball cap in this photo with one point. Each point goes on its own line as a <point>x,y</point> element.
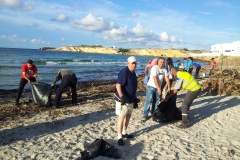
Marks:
<point>131,59</point>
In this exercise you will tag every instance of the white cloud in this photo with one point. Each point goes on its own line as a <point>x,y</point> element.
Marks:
<point>61,18</point>
<point>139,30</point>
<point>14,38</point>
<point>18,4</point>
<point>62,39</point>
<point>138,35</point>
<point>135,15</point>
<point>164,37</point>
<point>33,24</point>
<point>206,13</point>
<point>92,23</point>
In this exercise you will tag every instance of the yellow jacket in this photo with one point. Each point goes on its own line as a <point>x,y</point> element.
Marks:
<point>189,82</point>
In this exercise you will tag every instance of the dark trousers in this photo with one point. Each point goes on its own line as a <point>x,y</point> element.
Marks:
<point>197,71</point>
<point>63,86</point>
<point>190,70</point>
<point>190,96</point>
<point>22,84</point>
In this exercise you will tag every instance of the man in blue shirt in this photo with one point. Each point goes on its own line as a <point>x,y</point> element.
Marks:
<point>126,93</point>
<point>197,69</point>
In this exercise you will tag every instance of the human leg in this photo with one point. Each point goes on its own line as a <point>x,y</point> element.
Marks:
<point>149,93</point>
<point>190,96</point>
<point>22,84</point>
<point>197,71</point>
<point>120,123</point>
<point>62,87</point>
<point>74,93</point>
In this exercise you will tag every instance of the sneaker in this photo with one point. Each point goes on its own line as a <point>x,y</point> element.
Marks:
<point>127,136</point>
<point>144,119</point>
<point>120,142</point>
<point>183,126</point>
<point>17,103</point>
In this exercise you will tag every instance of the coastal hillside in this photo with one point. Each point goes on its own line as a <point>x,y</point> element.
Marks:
<point>140,52</point>
<point>196,54</point>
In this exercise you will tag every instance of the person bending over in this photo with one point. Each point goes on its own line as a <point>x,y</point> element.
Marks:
<point>187,82</point>
<point>68,79</point>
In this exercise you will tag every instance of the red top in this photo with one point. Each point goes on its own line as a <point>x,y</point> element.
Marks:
<point>213,64</point>
<point>29,71</point>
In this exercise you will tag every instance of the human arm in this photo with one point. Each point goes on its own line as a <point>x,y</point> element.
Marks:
<point>120,93</point>
<point>170,95</point>
<point>26,76</point>
<point>159,90</point>
<point>56,78</point>
<point>168,83</point>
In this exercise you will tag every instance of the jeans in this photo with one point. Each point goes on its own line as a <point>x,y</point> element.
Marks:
<point>22,84</point>
<point>151,94</point>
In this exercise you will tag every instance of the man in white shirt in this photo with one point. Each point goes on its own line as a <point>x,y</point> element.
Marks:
<point>154,90</point>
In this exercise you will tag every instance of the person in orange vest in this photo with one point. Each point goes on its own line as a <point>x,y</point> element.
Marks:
<point>187,82</point>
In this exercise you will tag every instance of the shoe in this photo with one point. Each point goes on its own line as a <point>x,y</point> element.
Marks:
<point>127,136</point>
<point>183,126</point>
<point>144,119</point>
<point>120,142</point>
<point>17,103</point>
<point>56,106</point>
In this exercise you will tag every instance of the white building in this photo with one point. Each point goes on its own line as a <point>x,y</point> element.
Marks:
<point>228,49</point>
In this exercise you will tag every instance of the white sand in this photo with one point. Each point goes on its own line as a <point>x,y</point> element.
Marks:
<point>214,133</point>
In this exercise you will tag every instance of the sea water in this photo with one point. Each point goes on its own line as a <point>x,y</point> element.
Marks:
<point>86,66</point>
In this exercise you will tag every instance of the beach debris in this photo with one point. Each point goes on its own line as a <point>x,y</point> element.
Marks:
<point>226,82</point>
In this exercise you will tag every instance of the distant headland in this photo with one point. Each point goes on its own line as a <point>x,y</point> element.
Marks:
<point>114,50</point>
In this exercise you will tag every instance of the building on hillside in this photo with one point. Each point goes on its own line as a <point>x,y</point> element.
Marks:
<point>228,49</point>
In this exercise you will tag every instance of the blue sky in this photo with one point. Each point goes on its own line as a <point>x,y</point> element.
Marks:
<point>191,24</point>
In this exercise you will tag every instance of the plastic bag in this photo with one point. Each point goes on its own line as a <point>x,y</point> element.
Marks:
<point>41,93</point>
<point>99,148</point>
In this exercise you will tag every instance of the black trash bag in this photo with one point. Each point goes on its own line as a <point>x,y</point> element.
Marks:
<point>167,111</point>
<point>41,93</point>
<point>100,148</point>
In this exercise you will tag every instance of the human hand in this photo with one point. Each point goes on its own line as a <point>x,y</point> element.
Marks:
<point>135,103</point>
<point>159,91</point>
<point>122,101</point>
<point>169,90</point>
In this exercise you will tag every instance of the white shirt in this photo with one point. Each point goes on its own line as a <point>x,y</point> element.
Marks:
<point>160,73</point>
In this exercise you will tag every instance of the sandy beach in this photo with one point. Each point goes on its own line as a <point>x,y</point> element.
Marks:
<point>45,133</point>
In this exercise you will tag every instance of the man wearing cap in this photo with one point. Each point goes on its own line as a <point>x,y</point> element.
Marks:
<point>213,66</point>
<point>125,95</point>
<point>154,90</point>
<point>29,74</point>
<point>187,82</point>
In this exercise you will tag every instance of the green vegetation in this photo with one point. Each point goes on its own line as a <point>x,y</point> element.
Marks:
<point>90,46</point>
<point>123,50</point>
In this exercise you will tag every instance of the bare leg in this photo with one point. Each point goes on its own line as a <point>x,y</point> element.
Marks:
<point>121,120</point>
<point>126,121</point>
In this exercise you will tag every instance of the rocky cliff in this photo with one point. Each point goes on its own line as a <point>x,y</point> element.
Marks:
<point>141,52</point>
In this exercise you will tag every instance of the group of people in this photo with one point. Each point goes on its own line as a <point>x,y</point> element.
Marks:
<point>30,72</point>
<point>188,66</point>
<point>159,75</point>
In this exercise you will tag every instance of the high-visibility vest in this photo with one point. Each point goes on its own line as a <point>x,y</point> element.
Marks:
<point>189,82</point>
